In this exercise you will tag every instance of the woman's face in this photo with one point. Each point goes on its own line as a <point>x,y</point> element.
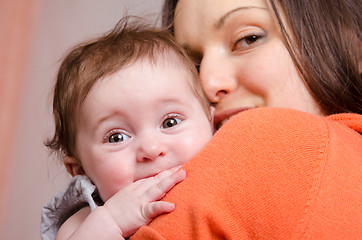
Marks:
<point>244,62</point>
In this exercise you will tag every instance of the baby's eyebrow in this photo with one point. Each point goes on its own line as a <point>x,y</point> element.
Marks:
<point>171,100</point>
<point>106,117</point>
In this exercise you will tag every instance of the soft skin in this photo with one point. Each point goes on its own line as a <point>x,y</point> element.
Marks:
<point>136,127</point>
<point>244,62</point>
<point>135,104</point>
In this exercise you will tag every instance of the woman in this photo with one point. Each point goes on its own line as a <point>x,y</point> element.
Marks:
<point>288,167</point>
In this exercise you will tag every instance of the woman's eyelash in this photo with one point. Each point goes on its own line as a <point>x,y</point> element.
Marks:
<point>196,61</point>
<point>246,42</point>
<point>197,66</point>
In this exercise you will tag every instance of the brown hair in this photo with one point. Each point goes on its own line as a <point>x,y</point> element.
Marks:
<point>89,62</point>
<point>325,46</point>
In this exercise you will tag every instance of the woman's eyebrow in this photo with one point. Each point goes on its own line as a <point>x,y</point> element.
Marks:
<point>221,21</point>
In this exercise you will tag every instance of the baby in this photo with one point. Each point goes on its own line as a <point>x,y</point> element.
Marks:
<point>129,111</point>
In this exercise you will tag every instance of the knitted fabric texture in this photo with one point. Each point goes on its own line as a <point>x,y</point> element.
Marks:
<point>271,173</point>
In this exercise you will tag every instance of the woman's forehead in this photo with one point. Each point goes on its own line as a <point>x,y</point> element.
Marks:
<point>213,9</point>
<point>203,18</point>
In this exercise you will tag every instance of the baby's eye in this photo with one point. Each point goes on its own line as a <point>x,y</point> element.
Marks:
<point>171,122</point>
<point>116,137</point>
<point>247,42</point>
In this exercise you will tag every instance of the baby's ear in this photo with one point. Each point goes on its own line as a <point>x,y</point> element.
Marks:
<point>73,166</point>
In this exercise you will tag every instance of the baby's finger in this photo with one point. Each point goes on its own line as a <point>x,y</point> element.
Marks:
<point>152,210</point>
<point>159,189</point>
<point>146,183</point>
<point>166,173</point>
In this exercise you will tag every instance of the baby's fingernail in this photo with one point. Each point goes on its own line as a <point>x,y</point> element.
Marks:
<point>182,172</point>
<point>177,168</point>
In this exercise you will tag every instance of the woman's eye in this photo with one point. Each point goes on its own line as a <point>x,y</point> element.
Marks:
<point>170,122</point>
<point>117,137</point>
<point>195,58</point>
<point>197,66</point>
<point>246,42</point>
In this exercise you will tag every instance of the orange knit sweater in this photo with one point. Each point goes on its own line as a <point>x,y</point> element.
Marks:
<point>271,174</point>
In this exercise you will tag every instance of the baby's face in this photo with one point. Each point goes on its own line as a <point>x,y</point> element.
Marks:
<point>138,122</point>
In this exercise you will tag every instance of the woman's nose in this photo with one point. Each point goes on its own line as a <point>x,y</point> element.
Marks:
<point>150,147</point>
<point>217,78</point>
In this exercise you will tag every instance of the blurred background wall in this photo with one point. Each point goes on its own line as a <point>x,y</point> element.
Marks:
<point>35,34</point>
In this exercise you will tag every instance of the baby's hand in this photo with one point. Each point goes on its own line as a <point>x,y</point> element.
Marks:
<point>137,204</point>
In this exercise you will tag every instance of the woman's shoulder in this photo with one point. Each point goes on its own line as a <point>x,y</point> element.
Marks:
<point>274,117</point>
<point>275,120</point>
<point>277,133</point>
<point>275,159</point>
<point>274,125</point>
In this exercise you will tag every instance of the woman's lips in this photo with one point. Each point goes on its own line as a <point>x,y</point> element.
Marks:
<point>222,117</point>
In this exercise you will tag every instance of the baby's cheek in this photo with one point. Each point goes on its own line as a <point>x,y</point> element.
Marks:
<point>193,147</point>
<point>111,186</point>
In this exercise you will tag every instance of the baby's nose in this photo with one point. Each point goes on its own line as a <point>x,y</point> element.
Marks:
<point>150,148</point>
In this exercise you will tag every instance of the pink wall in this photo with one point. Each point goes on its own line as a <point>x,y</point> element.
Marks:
<point>16,24</point>
<point>29,175</point>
